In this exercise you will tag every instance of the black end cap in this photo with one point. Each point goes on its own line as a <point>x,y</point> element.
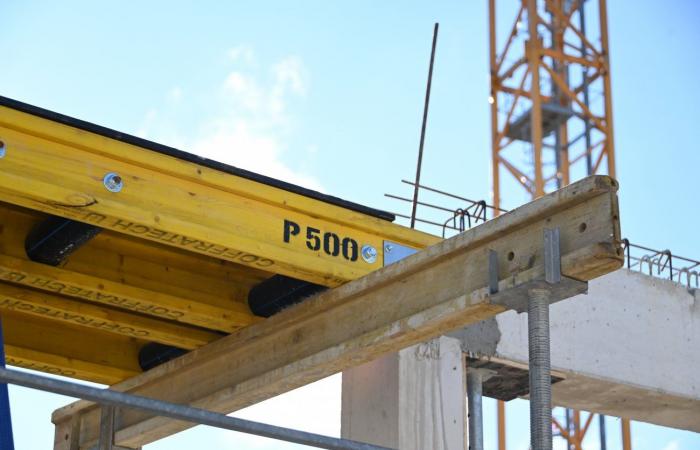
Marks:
<point>279,292</point>
<point>53,240</point>
<point>154,354</point>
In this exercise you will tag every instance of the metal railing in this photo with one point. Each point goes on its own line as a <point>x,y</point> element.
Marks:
<point>110,400</point>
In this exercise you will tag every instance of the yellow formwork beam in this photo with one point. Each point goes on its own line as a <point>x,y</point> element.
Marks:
<point>57,308</point>
<point>109,293</point>
<point>160,282</point>
<point>140,263</point>
<point>178,203</point>
<point>63,349</point>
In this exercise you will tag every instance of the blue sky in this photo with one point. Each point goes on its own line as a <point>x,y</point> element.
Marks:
<point>329,94</point>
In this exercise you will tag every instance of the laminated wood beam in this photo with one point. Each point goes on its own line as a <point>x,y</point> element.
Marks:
<point>68,350</point>
<point>422,296</point>
<point>135,276</point>
<point>176,199</point>
<point>119,295</point>
<point>110,320</point>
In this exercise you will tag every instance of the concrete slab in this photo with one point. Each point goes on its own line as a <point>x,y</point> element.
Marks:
<point>629,349</point>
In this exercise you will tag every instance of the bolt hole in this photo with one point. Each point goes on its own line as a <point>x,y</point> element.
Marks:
<point>511,256</point>
<point>582,227</point>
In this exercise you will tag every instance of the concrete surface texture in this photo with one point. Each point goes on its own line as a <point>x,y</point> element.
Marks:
<point>625,349</point>
<point>413,399</point>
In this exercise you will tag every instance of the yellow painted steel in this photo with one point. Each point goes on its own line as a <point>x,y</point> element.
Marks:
<point>182,246</point>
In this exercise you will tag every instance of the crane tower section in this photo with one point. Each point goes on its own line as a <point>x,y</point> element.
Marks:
<point>551,105</point>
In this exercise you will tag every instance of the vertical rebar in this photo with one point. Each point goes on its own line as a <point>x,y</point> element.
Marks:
<point>476,419</point>
<point>423,126</point>
<point>540,377</point>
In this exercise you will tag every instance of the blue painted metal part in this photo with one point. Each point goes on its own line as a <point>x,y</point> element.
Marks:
<point>6,438</point>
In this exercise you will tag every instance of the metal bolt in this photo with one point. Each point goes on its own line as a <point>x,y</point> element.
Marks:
<point>369,253</point>
<point>2,149</point>
<point>113,182</point>
<point>388,248</point>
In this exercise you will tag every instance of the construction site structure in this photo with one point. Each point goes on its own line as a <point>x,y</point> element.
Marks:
<point>551,118</point>
<point>119,254</point>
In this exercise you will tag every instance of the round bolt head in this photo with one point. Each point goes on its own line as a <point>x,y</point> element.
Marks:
<point>388,248</point>
<point>113,182</point>
<point>369,253</point>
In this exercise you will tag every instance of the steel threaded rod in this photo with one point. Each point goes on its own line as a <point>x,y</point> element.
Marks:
<point>474,401</point>
<point>540,377</point>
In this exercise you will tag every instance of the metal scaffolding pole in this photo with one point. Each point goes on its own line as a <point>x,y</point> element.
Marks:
<point>181,412</point>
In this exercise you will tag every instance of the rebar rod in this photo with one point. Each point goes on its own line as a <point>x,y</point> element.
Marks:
<point>423,126</point>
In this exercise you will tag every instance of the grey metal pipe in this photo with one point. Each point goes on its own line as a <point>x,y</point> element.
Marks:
<point>540,370</point>
<point>601,430</point>
<point>476,418</point>
<point>106,441</point>
<point>180,412</point>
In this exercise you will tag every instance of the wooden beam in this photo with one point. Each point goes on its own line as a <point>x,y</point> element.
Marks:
<point>186,205</point>
<point>420,297</point>
<point>115,294</point>
<point>62,349</point>
<point>110,320</point>
<point>141,277</point>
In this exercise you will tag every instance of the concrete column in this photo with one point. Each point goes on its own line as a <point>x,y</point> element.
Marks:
<point>411,400</point>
